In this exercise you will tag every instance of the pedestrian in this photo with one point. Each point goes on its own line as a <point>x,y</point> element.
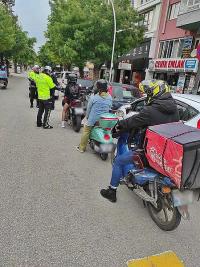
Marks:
<point>33,94</point>
<point>160,108</point>
<point>98,104</point>
<point>45,87</point>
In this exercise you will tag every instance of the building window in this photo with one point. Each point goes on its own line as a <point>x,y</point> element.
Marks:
<point>171,48</point>
<point>180,49</point>
<point>148,18</point>
<point>173,11</point>
<point>144,1</point>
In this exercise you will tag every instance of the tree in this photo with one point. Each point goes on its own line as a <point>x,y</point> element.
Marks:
<point>82,30</point>
<point>7,30</point>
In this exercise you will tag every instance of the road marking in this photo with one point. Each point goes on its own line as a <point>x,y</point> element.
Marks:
<point>166,259</point>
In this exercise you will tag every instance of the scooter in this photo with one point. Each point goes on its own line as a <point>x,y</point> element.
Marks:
<point>166,204</point>
<point>101,140</point>
<point>3,77</point>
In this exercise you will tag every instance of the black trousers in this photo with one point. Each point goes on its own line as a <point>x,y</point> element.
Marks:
<point>33,95</point>
<point>45,107</point>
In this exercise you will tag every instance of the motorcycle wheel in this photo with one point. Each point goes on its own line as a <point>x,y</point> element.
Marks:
<point>160,215</point>
<point>103,156</point>
<point>76,124</point>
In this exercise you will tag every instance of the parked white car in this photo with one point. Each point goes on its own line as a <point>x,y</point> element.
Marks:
<point>188,106</point>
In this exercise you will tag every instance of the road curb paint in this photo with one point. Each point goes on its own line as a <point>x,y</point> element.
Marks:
<point>166,259</point>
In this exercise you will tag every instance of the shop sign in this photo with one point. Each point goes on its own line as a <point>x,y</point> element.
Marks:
<point>180,84</point>
<point>184,65</point>
<point>188,42</point>
<point>124,66</point>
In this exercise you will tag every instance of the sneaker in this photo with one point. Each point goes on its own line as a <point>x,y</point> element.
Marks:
<point>48,127</point>
<point>63,124</point>
<point>79,150</point>
<point>39,125</point>
<point>109,193</point>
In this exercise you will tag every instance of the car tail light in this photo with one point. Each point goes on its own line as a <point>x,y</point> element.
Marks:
<point>106,137</point>
<point>198,124</point>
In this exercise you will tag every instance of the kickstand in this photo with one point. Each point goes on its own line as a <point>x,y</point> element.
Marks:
<point>144,203</point>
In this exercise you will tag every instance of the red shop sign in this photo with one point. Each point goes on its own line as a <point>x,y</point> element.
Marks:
<point>170,64</point>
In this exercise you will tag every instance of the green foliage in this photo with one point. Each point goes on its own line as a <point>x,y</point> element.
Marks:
<point>82,30</point>
<point>7,30</point>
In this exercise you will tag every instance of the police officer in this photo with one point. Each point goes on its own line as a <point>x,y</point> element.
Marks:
<point>32,87</point>
<point>45,87</point>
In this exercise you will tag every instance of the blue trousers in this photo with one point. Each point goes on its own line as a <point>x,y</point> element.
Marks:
<point>118,167</point>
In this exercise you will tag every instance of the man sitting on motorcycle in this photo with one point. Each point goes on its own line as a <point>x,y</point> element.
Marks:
<point>98,104</point>
<point>71,93</point>
<point>160,108</point>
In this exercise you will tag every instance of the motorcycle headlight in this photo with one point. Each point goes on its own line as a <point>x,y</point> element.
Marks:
<point>120,113</point>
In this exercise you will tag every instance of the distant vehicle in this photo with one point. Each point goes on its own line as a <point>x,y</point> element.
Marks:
<point>122,94</point>
<point>63,80</point>
<point>85,85</point>
<point>188,107</point>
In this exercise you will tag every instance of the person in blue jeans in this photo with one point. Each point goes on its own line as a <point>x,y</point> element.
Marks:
<point>98,104</point>
<point>160,108</point>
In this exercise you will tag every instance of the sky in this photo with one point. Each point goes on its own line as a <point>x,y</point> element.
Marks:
<point>33,17</point>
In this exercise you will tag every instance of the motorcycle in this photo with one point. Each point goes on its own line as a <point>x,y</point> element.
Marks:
<point>75,114</point>
<point>3,78</point>
<point>101,140</point>
<point>165,203</point>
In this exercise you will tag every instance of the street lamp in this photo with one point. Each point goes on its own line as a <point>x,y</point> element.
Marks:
<point>114,39</point>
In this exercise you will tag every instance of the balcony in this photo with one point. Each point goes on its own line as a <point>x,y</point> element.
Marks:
<point>189,15</point>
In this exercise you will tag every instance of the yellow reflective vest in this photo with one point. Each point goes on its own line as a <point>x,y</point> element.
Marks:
<point>44,84</point>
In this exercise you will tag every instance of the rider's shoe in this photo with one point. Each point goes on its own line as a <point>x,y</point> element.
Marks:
<point>48,126</point>
<point>79,150</point>
<point>63,124</point>
<point>109,193</point>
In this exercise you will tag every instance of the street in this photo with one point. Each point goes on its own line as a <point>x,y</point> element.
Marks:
<point>51,211</point>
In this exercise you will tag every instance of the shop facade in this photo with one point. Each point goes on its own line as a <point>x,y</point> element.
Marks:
<point>133,65</point>
<point>180,73</point>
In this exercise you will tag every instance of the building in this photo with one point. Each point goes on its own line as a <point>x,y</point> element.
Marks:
<point>189,19</point>
<point>135,63</point>
<point>175,61</point>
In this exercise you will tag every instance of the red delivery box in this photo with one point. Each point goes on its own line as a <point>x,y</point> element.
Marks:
<point>173,150</point>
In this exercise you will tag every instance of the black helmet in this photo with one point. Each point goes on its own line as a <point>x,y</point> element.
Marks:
<point>72,78</point>
<point>102,85</point>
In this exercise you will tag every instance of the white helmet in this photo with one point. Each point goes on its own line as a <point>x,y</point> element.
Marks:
<point>48,68</point>
<point>36,68</point>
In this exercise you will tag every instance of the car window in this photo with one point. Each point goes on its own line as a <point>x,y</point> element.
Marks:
<point>186,112</point>
<point>139,106</point>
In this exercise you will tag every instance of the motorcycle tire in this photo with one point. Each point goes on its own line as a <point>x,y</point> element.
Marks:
<point>76,124</point>
<point>168,225</point>
<point>104,156</point>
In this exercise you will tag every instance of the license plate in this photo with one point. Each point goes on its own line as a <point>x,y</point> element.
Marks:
<point>183,198</point>
<point>106,148</point>
<point>79,111</point>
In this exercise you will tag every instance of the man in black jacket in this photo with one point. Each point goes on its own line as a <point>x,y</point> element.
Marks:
<point>160,108</point>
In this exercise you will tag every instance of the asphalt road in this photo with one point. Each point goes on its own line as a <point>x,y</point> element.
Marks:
<point>51,212</point>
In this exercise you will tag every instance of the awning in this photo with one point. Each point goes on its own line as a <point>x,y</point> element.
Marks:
<point>139,52</point>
